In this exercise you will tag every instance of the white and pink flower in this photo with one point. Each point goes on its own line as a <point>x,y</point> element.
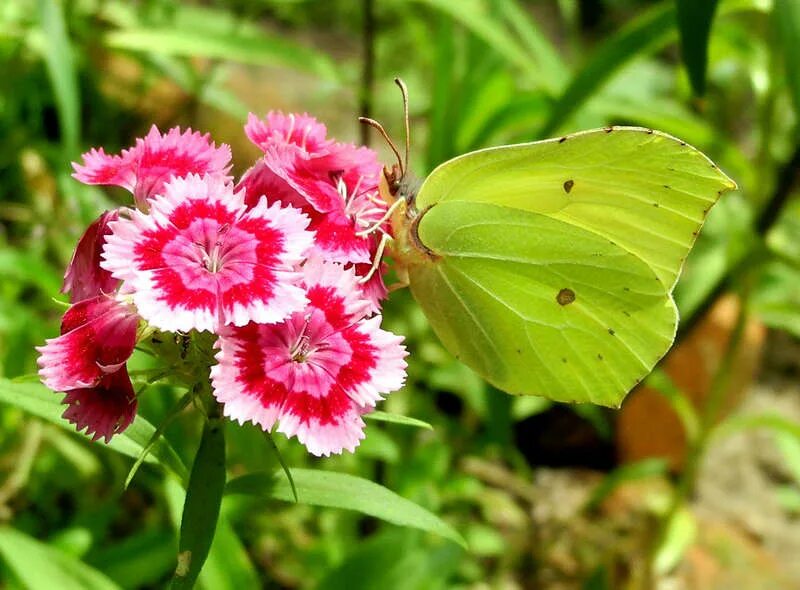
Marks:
<point>316,372</point>
<point>200,259</point>
<point>145,168</point>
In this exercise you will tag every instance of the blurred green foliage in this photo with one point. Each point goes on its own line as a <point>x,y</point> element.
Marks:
<point>81,73</point>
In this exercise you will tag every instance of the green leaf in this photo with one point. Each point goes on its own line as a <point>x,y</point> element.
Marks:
<point>40,567</point>
<point>624,474</point>
<point>787,21</point>
<point>548,267</point>
<point>339,490</point>
<point>773,422</point>
<point>680,534</point>
<point>27,268</point>
<point>58,56</point>
<point>645,33</point>
<point>36,399</point>
<point>479,18</point>
<point>166,421</point>
<point>694,23</point>
<point>379,416</point>
<point>395,560</point>
<point>231,46</point>
<point>141,560</point>
<point>201,508</point>
<point>228,566</point>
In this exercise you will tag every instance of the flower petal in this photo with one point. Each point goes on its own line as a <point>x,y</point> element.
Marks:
<point>84,277</point>
<point>302,131</point>
<point>199,260</point>
<point>145,168</point>
<point>97,336</point>
<point>104,410</point>
<point>316,372</point>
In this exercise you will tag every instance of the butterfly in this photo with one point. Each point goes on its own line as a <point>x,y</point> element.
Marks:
<point>548,267</point>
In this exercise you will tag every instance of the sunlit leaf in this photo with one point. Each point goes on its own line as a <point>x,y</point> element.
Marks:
<point>40,567</point>
<point>36,399</point>
<point>625,474</point>
<point>58,56</point>
<point>257,50</point>
<point>340,490</point>
<point>379,416</point>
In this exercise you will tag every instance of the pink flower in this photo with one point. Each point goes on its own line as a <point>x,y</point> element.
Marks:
<point>145,168</point>
<point>84,277</point>
<point>97,337</point>
<point>302,131</point>
<point>104,410</point>
<point>200,259</point>
<point>335,184</point>
<point>316,372</point>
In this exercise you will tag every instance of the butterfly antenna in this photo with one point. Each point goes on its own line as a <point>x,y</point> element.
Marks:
<point>404,91</point>
<point>374,124</point>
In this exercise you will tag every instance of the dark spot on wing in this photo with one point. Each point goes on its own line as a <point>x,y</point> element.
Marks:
<point>568,184</point>
<point>626,288</point>
<point>655,204</point>
<point>599,357</point>
<point>626,314</point>
<point>649,132</point>
<point>609,129</point>
<point>611,331</point>
<point>666,186</point>
<point>563,360</point>
<point>563,139</point>
<point>565,296</point>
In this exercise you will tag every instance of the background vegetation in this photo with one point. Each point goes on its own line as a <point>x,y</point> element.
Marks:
<point>547,496</point>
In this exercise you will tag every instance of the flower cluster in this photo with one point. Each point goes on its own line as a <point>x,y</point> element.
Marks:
<point>283,267</point>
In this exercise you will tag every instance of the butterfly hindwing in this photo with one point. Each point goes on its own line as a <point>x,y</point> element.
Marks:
<point>553,262</point>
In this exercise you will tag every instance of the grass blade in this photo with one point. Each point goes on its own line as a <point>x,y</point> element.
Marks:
<point>340,490</point>
<point>694,24</point>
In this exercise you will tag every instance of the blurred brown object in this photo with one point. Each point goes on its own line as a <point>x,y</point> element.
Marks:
<point>647,425</point>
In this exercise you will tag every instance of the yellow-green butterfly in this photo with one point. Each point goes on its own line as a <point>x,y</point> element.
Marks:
<point>548,267</point>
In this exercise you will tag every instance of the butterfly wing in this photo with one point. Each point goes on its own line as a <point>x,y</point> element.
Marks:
<point>550,265</point>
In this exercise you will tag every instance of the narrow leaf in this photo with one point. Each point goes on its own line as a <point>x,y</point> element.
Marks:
<point>167,420</point>
<point>59,59</point>
<point>40,567</point>
<point>626,473</point>
<point>283,464</point>
<point>233,46</point>
<point>787,21</point>
<point>478,18</point>
<point>339,490</point>
<point>694,24</point>
<point>201,507</point>
<point>36,399</point>
<point>773,422</point>
<point>228,566</point>
<point>643,34</point>
<point>379,416</point>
